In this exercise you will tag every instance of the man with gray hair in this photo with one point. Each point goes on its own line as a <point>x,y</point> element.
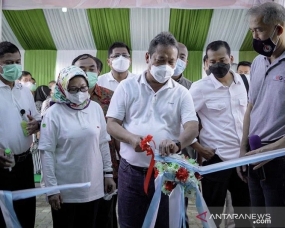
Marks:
<point>265,116</point>
<point>151,103</point>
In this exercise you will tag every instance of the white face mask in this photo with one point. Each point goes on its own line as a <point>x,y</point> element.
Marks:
<point>161,73</point>
<point>27,84</point>
<point>121,64</point>
<point>77,98</point>
<point>180,67</point>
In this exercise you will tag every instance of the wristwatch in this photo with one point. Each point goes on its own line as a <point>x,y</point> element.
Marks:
<point>108,172</point>
<point>178,144</point>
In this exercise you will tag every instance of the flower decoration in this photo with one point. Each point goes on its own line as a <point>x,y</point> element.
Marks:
<point>176,174</point>
<point>173,172</point>
<point>145,144</point>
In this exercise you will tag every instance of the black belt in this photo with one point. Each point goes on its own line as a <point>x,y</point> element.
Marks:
<point>138,168</point>
<point>22,157</point>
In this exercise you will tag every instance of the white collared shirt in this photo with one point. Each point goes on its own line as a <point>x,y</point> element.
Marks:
<point>145,112</point>
<point>11,103</point>
<point>221,110</point>
<point>108,81</point>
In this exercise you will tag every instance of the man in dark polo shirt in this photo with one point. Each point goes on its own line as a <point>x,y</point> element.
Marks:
<point>265,115</point>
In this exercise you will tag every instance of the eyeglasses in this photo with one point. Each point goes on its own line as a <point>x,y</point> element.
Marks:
<point>74,89</point>
<point>118,55</point>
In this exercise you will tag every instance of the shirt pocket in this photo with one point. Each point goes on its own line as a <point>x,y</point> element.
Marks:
<point>217,113</point>
<point>242,102</point>
<point>216,106</point>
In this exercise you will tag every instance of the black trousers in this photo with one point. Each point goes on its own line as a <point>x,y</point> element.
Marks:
<point>215,186</point>
<point>21,177</point>
<point>75,215</point>
<point>107,215</point>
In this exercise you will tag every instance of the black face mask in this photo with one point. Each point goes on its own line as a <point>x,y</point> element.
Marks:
<point>219,70</point>
<point>264,47</point>
<point>208,72</point>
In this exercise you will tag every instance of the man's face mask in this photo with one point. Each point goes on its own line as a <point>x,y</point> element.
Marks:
<point>180,67</point>
<point>11,72</point>
<point>161,73</point>
<point>121,64</point>
<point>219,70</point>
<point>92,79</point>
<point>265,47</point>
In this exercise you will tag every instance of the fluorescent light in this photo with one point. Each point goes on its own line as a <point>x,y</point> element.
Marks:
<point>64,9</point>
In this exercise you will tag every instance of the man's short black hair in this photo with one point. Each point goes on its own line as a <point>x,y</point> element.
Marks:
<point>117,45</point>
<point>7,47</point>
<point>25,73</point>
<point>98,62</point>
<point>34,80</point>
<point>216,45</point>
<point>163,38</point>
<point>244,63</point>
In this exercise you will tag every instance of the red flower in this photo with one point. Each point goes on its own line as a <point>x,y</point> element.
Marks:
<point>145,144</point>
<point>169,185</point>
<point>182,174</point>
<point>155,172</point>
<point>198,176</point>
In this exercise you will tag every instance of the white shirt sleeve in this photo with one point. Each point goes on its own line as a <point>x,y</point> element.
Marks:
<point>33,108</point>
<point>117,107</point>
<point>104,145</point>
<point>48,170</point>
<point>187,109</point>
<point>197,95</point>
<point>47,145</point>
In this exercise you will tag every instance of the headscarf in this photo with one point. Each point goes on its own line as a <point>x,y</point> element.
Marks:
<point>65,75</point>
<point>41,93</point>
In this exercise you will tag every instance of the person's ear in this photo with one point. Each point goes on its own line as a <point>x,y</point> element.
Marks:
<point>109,62</point>
<point>232,59</point>
<point>147,57</point>
<point>280,30</point>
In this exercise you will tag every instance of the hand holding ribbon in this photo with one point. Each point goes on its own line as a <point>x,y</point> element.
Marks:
<point>145,145</point>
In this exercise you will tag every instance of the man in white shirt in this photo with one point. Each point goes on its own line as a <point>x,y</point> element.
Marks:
<point>17,109</point>
<point>220,101</point>
<point>151,103</point>
<point>119,60</point>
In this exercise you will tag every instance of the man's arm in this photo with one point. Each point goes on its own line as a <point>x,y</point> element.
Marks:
<point>189,134</point>
<point>206,153</point>
<point>114,128</point>
<point>244,141</point>
<point>246,122</point>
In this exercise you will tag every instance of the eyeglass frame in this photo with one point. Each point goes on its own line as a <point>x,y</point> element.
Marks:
<point>76,89</point>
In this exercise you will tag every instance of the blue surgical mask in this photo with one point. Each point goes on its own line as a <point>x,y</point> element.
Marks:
<point>92,79</point>
<point>11,72</point>
<point>180,67</point>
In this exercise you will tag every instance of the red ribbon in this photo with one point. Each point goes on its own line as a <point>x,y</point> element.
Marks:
<point>146,147</point>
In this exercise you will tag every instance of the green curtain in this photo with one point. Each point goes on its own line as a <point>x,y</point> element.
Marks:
<point>30,28</point>
<point>103,56</point>
<point>247,43</point>
<point>190,27</point>
<point>247,55</point>
<point>193,70</point>
<point>41,64</point>
<point>109,26</point>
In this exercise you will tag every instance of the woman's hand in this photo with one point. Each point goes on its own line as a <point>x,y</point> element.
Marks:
<point>55,201</point>
<point>110,185</point>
